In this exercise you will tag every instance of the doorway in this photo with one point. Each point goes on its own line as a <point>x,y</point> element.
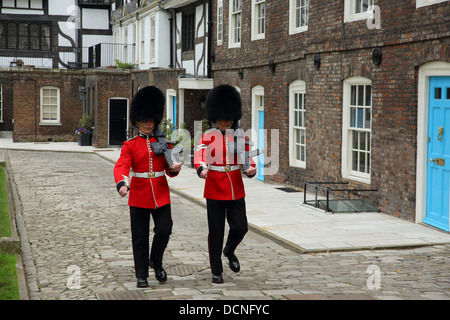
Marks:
<point>118,121</point>
<point>438,153</point>
<point>258,127</point>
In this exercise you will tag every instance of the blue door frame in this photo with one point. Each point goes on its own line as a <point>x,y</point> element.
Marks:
<point>260,158</point>
<point>174,108</point>
<point>438,154</point>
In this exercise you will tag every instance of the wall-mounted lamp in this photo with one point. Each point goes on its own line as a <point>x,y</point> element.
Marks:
<point>272,65</point>
<point>317,60</point>
<point>241,73</point>
<point>377,56</point>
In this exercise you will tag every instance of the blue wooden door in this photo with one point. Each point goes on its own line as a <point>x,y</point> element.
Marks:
<point>438,167</point>
<point>260,175</point>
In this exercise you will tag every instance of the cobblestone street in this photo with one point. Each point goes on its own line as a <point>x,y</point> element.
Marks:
<point>79,247</point>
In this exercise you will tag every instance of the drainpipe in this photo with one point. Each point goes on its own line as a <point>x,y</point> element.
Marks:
<point>171,21</point>
<point>210,23</point>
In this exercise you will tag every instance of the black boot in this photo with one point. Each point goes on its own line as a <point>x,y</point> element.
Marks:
<point>160,273</point>
<point>142,283</point>
<point>234,263</point>
<point>217,278</point>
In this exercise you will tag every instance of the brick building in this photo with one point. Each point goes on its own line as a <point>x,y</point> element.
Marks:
<point>46,104</point>
<point>41,43</point>
<point>349,90</point>
<point>357,93</point>
<point>171,35</point>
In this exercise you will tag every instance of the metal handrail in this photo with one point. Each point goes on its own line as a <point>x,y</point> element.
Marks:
<point>318,185</point>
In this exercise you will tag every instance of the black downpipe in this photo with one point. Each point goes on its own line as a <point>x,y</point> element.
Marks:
<point>210,23</point>
<point>171,21</point>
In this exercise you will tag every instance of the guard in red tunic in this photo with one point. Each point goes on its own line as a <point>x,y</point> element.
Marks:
<point>217,162</point>
<point>148,191</point>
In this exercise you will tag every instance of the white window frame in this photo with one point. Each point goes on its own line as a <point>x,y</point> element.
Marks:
<point>125,45</point>
<point>152,39</point>
<point>142,40</point>
<point>134,52</point>
<point>258,104</point>
<point>170,94</point>
<point>424,3</point>
<point>293,16</point>
<point>257,19</point>
<point>348,130</point>
<point>219,22</point>
<point>56,121</point>
<point>350,13</point>
<point>235,17</point>
<point>297,89</point>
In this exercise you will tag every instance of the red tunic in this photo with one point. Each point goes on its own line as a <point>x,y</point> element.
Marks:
<point>138,155</point>
<point>212,149</point>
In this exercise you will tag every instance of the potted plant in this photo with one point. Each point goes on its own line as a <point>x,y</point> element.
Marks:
<point>123,65</point>
<point>19,62</point>
<point>84,130</point>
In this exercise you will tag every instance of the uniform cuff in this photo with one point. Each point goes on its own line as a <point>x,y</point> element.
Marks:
<point>120,185</point>
<point>199,170</point>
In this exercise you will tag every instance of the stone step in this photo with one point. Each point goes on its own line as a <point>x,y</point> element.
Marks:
<point>6,134</point>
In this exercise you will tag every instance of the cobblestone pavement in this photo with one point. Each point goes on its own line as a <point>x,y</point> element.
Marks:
<point>79,247</point>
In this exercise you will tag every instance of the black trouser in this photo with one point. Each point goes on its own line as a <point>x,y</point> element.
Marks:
<point>234,211</point>
<point>140,231</point>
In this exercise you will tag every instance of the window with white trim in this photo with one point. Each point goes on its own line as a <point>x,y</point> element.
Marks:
<point>235,23</point>
<point>142,38</point>
<point>258,19</point>
<point>423,3</point>
<point>297,124</point>
<point>152,39</point>
<point>298,16</point>
<point>134,39</point>
<point>219,22</point>
<point>125,44</point>
<point>355,10</point>
<point>50,105</point>
<point>357,129</point>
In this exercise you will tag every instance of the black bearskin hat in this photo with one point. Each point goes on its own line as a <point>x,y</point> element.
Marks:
<point>223,103</point>
<point>147,103</point>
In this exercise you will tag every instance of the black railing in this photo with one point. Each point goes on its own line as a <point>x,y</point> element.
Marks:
<point>12,58</point>
<point>106,54</point>
<point>98,56</point>
<point>95,1</point>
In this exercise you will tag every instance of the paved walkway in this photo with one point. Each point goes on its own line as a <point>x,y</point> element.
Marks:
<point>76,240</point>
<point>283,216</point>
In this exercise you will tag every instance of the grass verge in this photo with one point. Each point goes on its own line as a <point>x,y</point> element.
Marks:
<point>9,289</point>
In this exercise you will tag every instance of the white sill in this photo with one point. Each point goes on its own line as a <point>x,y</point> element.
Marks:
<point>50,124</point>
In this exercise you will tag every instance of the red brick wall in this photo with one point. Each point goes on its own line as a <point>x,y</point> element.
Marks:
<point>408,38</point>
<point>26,101</point>
<point>103,85</point>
